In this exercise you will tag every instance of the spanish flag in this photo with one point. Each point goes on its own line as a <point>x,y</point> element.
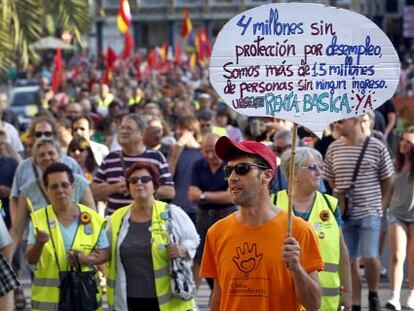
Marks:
<point>164,52</point>
<point>187,26</point>
<point>124,16</point>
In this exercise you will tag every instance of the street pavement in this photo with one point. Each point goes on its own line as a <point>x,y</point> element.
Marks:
<point>204,294</point>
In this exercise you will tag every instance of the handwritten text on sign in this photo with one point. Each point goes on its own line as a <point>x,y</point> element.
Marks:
<point>312,68</point>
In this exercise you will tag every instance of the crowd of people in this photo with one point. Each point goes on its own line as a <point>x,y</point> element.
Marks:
<point>152,150</point>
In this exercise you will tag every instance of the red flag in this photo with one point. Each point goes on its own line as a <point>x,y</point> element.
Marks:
<point>128,45</point>
<point>187,26</point>
<point>178,59</point>
<point>57,71</point>
<point>164,52</point>
<point>110,60</point>
<point>206,43</point>
<point>199,44</point>
<point>152,59</point>
<point>110,57</point>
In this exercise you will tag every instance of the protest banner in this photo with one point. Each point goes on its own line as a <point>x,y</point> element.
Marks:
<point>307,63</point>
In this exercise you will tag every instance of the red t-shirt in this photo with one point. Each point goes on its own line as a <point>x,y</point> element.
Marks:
<point>247,262</point>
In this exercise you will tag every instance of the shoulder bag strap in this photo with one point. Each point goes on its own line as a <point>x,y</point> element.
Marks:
<point>39,185</point>
<point>327,202</point>
<point>358,164</point>
<point>121,158</point>
<point>35,171</point>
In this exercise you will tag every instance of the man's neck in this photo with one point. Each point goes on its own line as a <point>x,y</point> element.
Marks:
<point>355,138</point>
<point>133,149</point>
<point>256,215</point>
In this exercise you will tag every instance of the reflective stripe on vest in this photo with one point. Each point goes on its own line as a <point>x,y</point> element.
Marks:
<point>328,234</point>
<point>45,290</point>
<point>105,102</point>
<point>160,260</point>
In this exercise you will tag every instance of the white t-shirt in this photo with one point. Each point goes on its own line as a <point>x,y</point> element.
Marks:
<point>12,136</point>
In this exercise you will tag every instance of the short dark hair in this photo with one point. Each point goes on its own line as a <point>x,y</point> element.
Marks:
<point>151,168</point>
<point>205,115</point>
<point>57,167</point>
<point>139,121</point>
<point>86,117</point>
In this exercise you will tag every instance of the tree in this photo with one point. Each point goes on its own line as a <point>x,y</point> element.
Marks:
<point>23,22</point>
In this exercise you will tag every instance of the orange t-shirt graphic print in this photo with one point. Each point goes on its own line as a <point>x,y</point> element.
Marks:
<point>247,261</point>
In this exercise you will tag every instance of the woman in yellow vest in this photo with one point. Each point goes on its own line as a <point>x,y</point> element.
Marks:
<point>322,212</point>
<point>138,276</point>
<point>63,230</point>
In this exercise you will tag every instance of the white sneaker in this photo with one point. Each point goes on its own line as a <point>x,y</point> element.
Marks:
<point>393,305</point>
<point>410,302</point>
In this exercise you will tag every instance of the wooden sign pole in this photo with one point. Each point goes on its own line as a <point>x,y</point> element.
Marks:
<point>290,179</point>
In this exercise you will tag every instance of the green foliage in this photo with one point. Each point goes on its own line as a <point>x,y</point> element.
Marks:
<point>23,22</point>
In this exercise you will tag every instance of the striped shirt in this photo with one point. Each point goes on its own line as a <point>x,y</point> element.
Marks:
<point>111,170</point>
<point>376,166</point>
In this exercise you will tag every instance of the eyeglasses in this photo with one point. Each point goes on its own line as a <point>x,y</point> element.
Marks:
<point>280,150</point>
<point>77,149</point>
<point>128,129</point>
<point>240,169</point>
<point>64,185</point>
<point>313,167</point>
<point>82,129</point>
<point>141,179</point>
<point>45,133</point>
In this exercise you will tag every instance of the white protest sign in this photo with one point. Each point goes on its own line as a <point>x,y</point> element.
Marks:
<point>307,63</point>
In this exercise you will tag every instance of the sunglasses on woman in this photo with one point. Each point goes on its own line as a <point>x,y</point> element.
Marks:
<point>240,169</point>
<point>39,134</point>
<point>313,167</point>
<point>142,179</point>
<point>77,149</point>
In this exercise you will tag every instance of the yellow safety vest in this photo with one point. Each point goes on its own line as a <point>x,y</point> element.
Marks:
<point>134,100</point>
<point>45,289</point>
<point>219,131</point>
<point>324,223</point>
<point>106,101</point>
<point>160,260</point>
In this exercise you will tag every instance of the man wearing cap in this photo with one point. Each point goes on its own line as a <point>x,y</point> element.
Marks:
<point>255,266</point>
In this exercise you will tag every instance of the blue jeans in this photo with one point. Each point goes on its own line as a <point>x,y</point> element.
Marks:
<point>362,236</point>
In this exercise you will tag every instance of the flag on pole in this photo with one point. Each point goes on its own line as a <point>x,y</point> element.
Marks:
<point>110,60</point>
<point>187,26</point>
<point>124,16</point>
<point>178,58</point>
<point>193,60</point>
<point>57,71</point>
<point>164,52</point>
<point>128,45</point>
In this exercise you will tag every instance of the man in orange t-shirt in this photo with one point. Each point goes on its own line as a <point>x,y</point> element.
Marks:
<point>255,266</point>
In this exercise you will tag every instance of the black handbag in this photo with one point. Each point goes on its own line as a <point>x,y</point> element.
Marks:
<point>345,197</point>
<point>78,289</point>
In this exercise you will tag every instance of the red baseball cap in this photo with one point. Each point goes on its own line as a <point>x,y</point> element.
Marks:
<point>225,147</point>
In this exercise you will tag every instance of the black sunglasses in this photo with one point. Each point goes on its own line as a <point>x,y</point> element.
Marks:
<point>240,169</point>
<point>77,149</point>
<point>313,167</point>
<point>45,133</point>
<point>142,179</point>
